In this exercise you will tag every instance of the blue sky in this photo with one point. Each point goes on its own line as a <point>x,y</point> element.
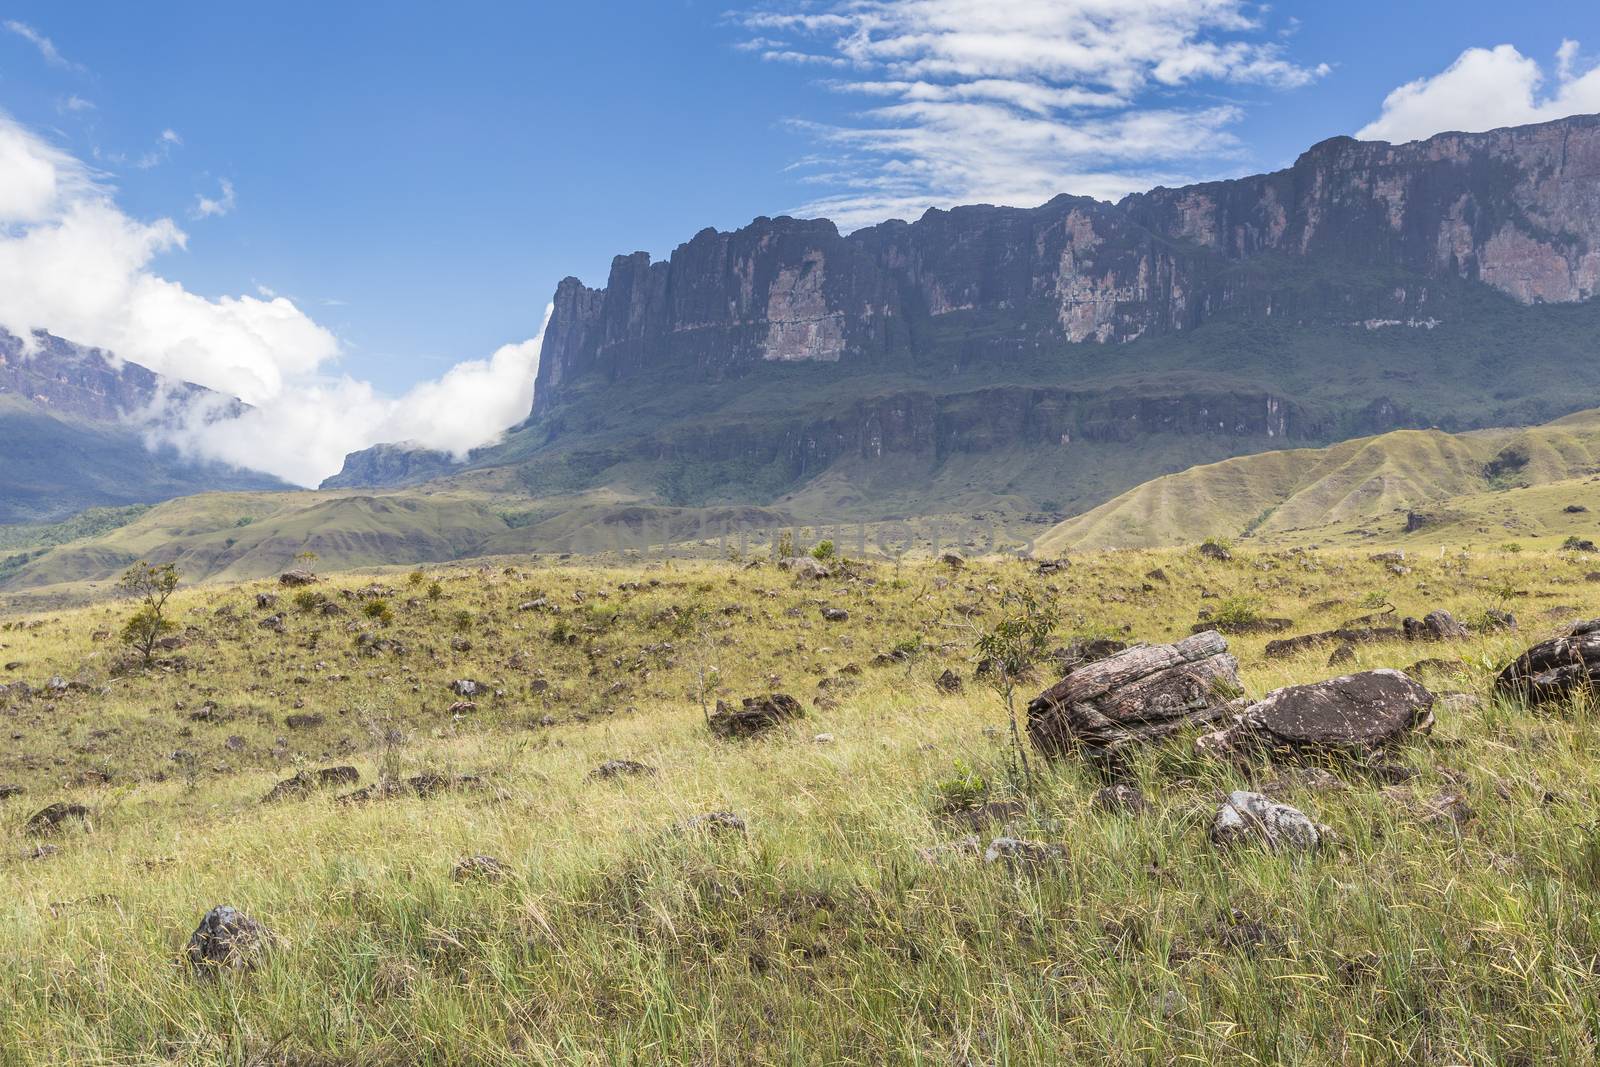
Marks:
<point>415,178</point>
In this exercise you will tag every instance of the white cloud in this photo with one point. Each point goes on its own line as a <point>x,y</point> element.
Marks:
<point>312,424</point>
<point>1486,88</point>
<point>73,263</point>
<point>76,103</point>
<point>1015,102</point>
<point>46,47</point>
<point>206,207</point>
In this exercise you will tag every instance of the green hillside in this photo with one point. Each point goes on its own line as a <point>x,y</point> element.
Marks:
<point>1453,481</point>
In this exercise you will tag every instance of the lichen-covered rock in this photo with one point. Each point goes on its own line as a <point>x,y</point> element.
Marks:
<point>297,577</point>
<point>1143,694</point>
<point>1554,669</point>
<point>1255,819</point>
<point>227,939</point>
<point>1354,714</point>
<point>755,715</point>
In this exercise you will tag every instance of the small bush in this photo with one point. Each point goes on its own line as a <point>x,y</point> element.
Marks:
<point>1236,611</point>
<point>378,611</point>
<point>435,591</point>
<point>963,790</point>
<point>823,552</point>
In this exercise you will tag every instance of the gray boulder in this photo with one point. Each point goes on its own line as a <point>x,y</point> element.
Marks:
<point>227,939</point>
<point>1354,714</point>
<point>1552,670</point>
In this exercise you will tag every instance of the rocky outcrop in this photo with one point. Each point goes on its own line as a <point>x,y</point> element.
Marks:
<point>1555,669</point>
<point>1515,209</point>
<point>391,466</point>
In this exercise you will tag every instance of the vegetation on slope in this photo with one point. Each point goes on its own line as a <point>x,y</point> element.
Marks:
<point>824,936</point>
<point>1299,494</point>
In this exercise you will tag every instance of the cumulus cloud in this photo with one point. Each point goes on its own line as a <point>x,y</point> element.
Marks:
<point>1486,88</point>
<point>1015,102</point>
<point>73,263</point>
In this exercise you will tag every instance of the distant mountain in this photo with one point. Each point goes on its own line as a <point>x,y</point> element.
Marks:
<point>70,434</point>
<point>1029,361</point>
<point>390,466</point>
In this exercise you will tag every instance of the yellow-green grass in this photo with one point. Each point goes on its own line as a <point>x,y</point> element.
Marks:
<point>1296,495</point>
<point>823,937</point>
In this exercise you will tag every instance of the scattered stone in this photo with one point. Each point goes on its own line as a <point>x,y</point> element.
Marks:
<point>52,819</point>
<point>460,644</point>
<point>422,786</point>
<point>1251,818</point>
<point>1355,714</point>
<point>479,868</point>
<point>1047,567</point>
<point>1345,653</point>
<point>1302,779</point>
<point>954,560</point>
<point>835,614</point>
<point>274,623</point>
<point>714,823</point>
<point>1554,669</point>
<point>266,601</point>
<point>1081,651</point>
<point>7,791</point>
<point>1156,575</point>
<point>805,568</point>
<point>1344,635</point>
<point>822,739</point>
<point>227,939</point>
<point>971,845</point>
<point>1018,853</point>
<point>297,577</point>
<point>1435,626</point>
<point>1388,557</point>
<point>755,715</point>
<point>992,813</point>
<point>1121,799</point>
<point>463,707</point>
<point>1574,509</point>
<point>1214,551</point>
<point>1579,544</point>
<point>465,687</point>
<point>1243,627</point>
<point>948,682</point>
<point>304,783</point>
<point>622,768</point>
<point>1140,695</point>
<point>304,721</point>
<point>1592,576</point>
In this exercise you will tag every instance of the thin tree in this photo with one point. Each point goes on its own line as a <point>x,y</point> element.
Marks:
<point>152,585</point>
<point>1007,651</point>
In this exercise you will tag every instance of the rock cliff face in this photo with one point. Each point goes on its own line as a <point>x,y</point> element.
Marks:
<point>72,381</point>
<point>387,466</point>
<point>1376,227</point>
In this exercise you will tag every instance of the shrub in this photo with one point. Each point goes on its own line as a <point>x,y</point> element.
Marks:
<point>1236,611</point>
<point>153,585</point>
<point>963,790</point>
<point>824,551</point>
<point>379,611</point>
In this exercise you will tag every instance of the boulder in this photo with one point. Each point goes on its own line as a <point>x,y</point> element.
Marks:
<point>1554,669</point>
<point>954,560</point>
<point>1247,818</point>
<point>298,577</point>
<point>1344,635</point>
<point>948,682</point>
<point>1356,714</point>
<point>755,715</point>
<point>227,939</point>
<point>1435,626</point>
<point>1213,550</point>
<point>1143,694</point>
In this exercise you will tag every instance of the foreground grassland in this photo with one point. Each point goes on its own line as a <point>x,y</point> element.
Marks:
<point>824,936</point>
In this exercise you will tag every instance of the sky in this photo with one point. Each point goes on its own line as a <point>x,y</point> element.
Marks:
<point>353,216</point>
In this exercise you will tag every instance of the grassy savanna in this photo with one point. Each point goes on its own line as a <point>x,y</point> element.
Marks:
<point>825,935</point>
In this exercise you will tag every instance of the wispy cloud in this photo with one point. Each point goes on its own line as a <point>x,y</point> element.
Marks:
<point>47,48</point>
<point>206,207</point>
<point>75,103</point>
<point>1014,102</point>
<point>1486,88</point>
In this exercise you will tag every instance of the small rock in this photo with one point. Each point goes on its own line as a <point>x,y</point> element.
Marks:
<point>948,682</point>
<point>462,707</point>
<point>1017,852</point>
<point>480,868</point>
<point>227,939</point>
<point>1121,799</point>
<point>714,823</point>
<point>822,739</point>
<point>835,614</point>
<point>1345,653</point>
<point>50,820</point>
<point>971,845</point>
<point>266,601</point>
<point>1215,551</point>
<point>460,644</point>
<point>308,721</point>
<point>297,577</point>
<point>954,560</point>
<point>7,791</point>
<point>1251,818</point>
<point>465,687</point>
<point>755,715</point>
<point>1435,626</point>
<point>621,768</point>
